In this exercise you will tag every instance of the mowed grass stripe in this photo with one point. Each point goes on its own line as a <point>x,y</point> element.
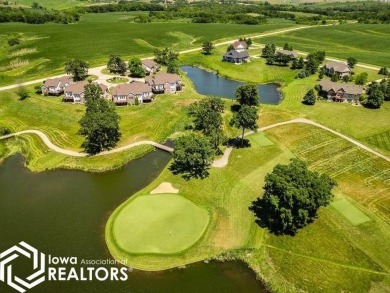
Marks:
<point>162,224</point>
<point>350,212</point>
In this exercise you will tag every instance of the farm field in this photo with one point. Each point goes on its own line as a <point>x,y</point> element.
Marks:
<point>53,4</point>
<point>45,48</point>
<point>368,43</point>
<point>353,257</point>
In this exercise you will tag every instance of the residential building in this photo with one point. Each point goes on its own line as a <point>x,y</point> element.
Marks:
<point>164,83</point>
<point>132,93</point>
<point>339,68</point>
<point>56,86</point>
<point>291,54</point>
<point>240,46</point>
<point>237,57</point>
<point>75,92</point>
<point>341,92</point>
<point>150,66</point>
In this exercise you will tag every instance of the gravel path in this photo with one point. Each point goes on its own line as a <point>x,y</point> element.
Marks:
<point>219,163</point>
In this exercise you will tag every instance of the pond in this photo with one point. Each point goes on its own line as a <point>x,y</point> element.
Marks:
<point>208,83</point>
<point>63,213</point>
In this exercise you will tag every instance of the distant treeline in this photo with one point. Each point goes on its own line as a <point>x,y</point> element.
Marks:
<point>250,13</point>
<point>33,16</point>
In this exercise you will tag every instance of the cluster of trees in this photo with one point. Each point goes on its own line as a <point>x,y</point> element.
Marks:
<point>310,98</point>
<point>77,68</point>
<point>313,61</point>
<point>122,6</point>
<point>292,196</point>
<point>135,67</point>
<point>273,57</point>
<point>245,117</point>
<point>33,16</point>
<point>377,93</point>
<point>13,39</point>
<point>194,152</point>
<point>168,58</point>
<point>100,123</point>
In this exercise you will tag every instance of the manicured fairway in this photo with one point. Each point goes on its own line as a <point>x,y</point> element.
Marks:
<point>164,223</point>
<point>261,139</point>
<point>350,212</point>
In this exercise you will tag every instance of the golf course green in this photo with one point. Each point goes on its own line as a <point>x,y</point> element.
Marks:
<point>163,224</point>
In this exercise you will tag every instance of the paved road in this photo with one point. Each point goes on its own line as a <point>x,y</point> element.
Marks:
<point>102,78</point>
<point>221,162</point>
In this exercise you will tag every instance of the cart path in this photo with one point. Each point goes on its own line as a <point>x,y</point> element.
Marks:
<point>224,160</point>
<point>219,163</point>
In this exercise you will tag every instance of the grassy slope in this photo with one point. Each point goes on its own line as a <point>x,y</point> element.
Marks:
<point>53,4</point>
<point>369,126</point>
<point>368,43</point>
<point>349,257</point>
<point>162,223</point>
<point>111,33</point>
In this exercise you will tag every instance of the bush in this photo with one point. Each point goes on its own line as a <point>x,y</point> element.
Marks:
<point>4,131</point>
<point>13,41</point>
<point>23,93</point>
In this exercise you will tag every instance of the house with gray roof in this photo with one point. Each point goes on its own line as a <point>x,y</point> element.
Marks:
<point>341,92</point>
<point>339,68</point>
<point>291,54</point>
<point>235,56</point>
<point>55,86</point>
<point>135,92</point>
<point>164,83</point>
<point>74,92</point>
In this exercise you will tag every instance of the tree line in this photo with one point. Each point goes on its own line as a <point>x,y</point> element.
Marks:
<point>34,16</point>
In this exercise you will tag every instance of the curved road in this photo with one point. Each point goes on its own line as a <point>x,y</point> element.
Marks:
<point>219,163</point>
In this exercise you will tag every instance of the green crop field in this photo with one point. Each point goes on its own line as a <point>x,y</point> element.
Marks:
<point>368,43</point>
<point>162,223</point>
<point>45,48</point>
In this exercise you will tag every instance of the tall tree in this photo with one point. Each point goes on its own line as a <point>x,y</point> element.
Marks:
<point>268,50</point>
<point>135,67</point>
<point>361,78</point>
<point>92,91</point>
<point>384,71</point>
<point>207,48</point>
<point>310,98</point>
<point>247,94</point>
<point>192,157</point>
<point>351,62</point>
<point>292,196</point>
<point>99,125</point>
<point>77,68</point>
<point>165,56</point>
<point>172,67</point>
<point>116,64</point>
<point>208,119</point>
<point>301,63</point>
<point>245,118</point>
<point>287,47</point>
<point>376,96</point>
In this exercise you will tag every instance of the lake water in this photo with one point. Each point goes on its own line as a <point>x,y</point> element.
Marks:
<point>63,213</point>
<point>210,84</point>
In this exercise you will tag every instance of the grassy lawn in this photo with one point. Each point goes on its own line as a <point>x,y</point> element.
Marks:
<point>368,43</point>
<point>162,224</point>
<point>351,257</point>
<point>48,46</point>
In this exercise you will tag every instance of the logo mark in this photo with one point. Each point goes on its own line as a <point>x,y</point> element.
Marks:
<point>26,250</point>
